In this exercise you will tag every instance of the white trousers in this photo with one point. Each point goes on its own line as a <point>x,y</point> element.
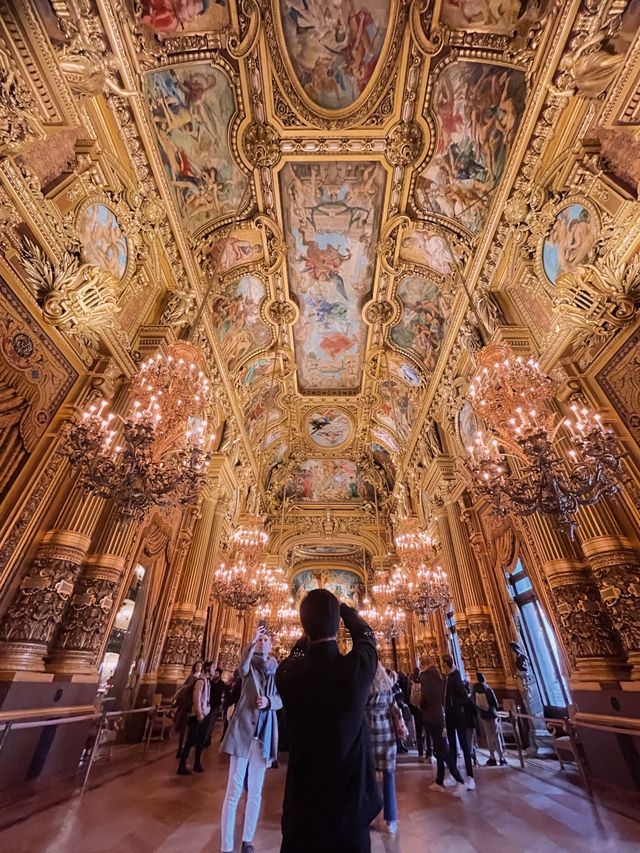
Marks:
<point>253,769</point>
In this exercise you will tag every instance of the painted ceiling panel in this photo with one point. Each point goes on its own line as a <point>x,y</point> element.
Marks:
<point>334,46</point>
<point>478,108</point>
<point>193,108</point>
<point>422,324</point>
<point>328,481</point>
<point>236,311</point>
<point>332,213</point>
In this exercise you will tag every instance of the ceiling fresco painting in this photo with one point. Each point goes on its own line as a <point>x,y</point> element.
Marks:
<point>328,481</point>
<point>398,410</point>
<point>103,242</point>
<point>326,550</point>
<point>345,585</point>
<point>478,108</point>
<point>496,16</point>
<point>193,108</point>
<point>328,428</point>
<point>334,46</point>
<point>166,17</point>
<point>261,412</point>
<point>255,370</point>
<point>420,246</point>
<point>421,328</point>
<point>241,247</point>
<point>385,438</point>
<point>236,311</point>
<point>570,242</point>
<point>400,367</point>
<point>332,212</point>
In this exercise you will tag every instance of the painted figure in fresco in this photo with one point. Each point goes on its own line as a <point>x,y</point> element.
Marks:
<point>570,241</point>
<point>192,108</point>
<point>103,242</point>
<point>334,46</point>
<point>479,108</point>
<point>229,252</point>
<point>168,16</point>
<point>333,219</point>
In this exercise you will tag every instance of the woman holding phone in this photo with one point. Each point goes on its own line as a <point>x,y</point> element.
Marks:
<point>251,740</point>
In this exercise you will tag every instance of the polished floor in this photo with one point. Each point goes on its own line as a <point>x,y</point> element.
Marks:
<point>151,810</point>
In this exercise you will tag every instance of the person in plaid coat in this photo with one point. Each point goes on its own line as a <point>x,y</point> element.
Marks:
<point>384,718</point>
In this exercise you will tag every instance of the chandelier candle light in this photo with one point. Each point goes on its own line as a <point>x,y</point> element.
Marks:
<point>512,396</point>
<point>158,454</point>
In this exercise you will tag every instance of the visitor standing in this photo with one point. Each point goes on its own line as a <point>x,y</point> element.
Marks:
<point>432,705</point>
<point>217,687</point>
<point>455,702</point>
<point>423,739</point>
<point>251,740</point>
<point>383,718</point>
<point>195,725</point>
<point>331,795</point>
<point>486,701</point>
<point>230,699</point>
<point>182,702</point>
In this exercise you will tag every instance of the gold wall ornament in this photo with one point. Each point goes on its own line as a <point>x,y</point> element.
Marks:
<point>19,124</point>
<point>404,144</point>
<point>76,298</point>
<point>598,300</point>
<point>261,144</point>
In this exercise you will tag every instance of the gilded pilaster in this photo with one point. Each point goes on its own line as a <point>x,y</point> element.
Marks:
<point>92,607</point>
<point>613,559</point>
<point>592,644</point>
<point>33,616</point>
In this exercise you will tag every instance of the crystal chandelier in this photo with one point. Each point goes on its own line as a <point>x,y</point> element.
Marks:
<point>158,454</point>
<point>271,611</point>
<point>513,396</point>
<point>421,592</point>
<point>246,581</point>
<point>386,621</point>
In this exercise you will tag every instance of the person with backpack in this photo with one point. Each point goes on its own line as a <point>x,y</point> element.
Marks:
<point>486,702</point>
<point>432,707</point>
<point>423,739</point>
<point>181,703</point>
<point>196,723</point>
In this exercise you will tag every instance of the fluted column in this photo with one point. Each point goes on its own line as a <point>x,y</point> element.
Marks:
<point>186,628</point>
<point>613,559</point>
<point>591,642</point>
<point>230,642</point>
<point>91,609</point>
<point>476,631</point>
<point>36,611</point>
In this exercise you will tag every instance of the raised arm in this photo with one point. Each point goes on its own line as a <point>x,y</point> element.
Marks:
<point>364,641</point>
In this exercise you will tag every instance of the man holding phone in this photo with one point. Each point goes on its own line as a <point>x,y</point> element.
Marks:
<point>331,794</point>
<point>251,740</point>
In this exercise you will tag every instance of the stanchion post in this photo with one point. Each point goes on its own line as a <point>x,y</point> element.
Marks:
<point>5,733</point>
<point>516,733</point>
<point>94,749</point>
<point>581,760</point>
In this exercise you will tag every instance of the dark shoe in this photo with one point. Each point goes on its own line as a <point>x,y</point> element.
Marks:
<point>491,763</point>
<point>504,762</point>
<point>183,771</point>
<point>198,768</point>
<point>247,848</point>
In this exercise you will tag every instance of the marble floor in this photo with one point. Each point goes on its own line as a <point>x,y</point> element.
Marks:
<point>151,810</point>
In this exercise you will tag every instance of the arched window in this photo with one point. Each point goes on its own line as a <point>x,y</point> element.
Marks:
<point>454,642</point>
<point>538,638</point>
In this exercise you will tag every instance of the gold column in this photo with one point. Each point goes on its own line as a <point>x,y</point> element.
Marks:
<point>613,559</point>
<point>87,620</point>
<point>183,643</point>
<point>591,643</point>
<point>230,642</point>
<point>475,630</point>
<point>33,616</point>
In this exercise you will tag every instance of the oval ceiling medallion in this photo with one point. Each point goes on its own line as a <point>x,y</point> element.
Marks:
<point>328,427</point>
<point>332,50</point>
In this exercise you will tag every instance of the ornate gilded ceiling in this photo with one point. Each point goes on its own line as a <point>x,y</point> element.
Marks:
<point>321,187</point>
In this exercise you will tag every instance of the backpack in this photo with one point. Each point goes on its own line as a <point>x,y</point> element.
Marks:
<point>415,696</point>
<point>486,711</point>
<point>183,704</point>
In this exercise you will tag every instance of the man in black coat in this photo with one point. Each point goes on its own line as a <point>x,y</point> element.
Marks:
<point>456,699</point>
<point>331,795</point>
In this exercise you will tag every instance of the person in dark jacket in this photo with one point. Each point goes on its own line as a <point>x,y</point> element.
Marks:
<point>217,687</point>
<point>455,701</point>
<point>431,704</point>
<point>331,795</point>
<point>486,702</point>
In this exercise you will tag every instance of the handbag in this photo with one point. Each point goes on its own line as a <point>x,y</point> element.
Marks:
<point>397,722</point>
